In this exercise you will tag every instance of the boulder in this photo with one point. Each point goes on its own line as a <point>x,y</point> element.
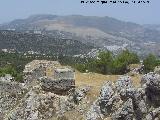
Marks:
<point>108,100</point>
<point>154,114</point>
<point>123,82</point>
<point>138,100</point>
<point>94,112</point>
<point>157,70</point>
<point>151,83</point>
<point>10,94</point>
<point>126,112</point>
<point>77,94</point>
<point>33,107</point>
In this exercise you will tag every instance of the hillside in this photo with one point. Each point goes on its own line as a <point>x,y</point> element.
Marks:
<point>153,27</point>
<point>104,32</point>
<point>41,44</point>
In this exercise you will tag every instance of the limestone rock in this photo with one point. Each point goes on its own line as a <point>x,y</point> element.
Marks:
<point>125,112</point>
<point>157,70</point>
<point>94,112</point>
<point>123,82</point>
<point>105,98</point>
<point>151,83</point>
<point>10,94</point>
<point>77,94</point>
<point>154,114</point>
<point>33,107</point>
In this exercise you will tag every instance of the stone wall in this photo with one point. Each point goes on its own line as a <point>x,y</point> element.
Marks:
<point>47,67</point>
<point>61,86</point>
<point>64,73</point>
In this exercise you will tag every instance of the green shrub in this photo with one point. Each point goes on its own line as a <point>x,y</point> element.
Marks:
<point>107,63</point>
<point>12,71</point>
<point>150,62</point>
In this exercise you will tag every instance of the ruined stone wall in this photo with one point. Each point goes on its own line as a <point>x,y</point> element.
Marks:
<point>57,86</point>
<point>50,71</point>
<point>65,74</point>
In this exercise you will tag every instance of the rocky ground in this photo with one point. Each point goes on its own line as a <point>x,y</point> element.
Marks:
<point>119,99</point>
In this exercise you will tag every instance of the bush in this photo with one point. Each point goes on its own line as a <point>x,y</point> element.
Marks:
<point>107,63</point>
<point>150,62</point>
<point>121,62</point>
<point>80,67</point>
<point>104,62</point>
<point>12,71</point>
<point>19,77</point>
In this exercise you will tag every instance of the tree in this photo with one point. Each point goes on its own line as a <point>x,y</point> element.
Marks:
<point>150,62</point>
<point>118,66</point>
<point>80,67</point>
<point>104,61</point>
<point>8,69</point>
<point>121,62</point>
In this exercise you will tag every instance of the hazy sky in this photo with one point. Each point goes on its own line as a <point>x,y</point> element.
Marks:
<point>139,13</point>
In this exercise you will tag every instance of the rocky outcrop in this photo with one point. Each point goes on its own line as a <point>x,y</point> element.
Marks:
<point>61,86</point>
<point>122,83</point>
<point>94,112</point>
<point>123,101</point>
<point>10,95</point>
<point>151,84</point>
<point>37,104</point>
<point>107,98</point>
<point>77,94</point>
<point>157,70</point>
<point>49,99</point>
<point>125,112</point>
<point>33,107</point>
<point>7,78</point>
<point>153,115</point>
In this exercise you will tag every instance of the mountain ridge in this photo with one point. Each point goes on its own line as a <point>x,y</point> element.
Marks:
<point>100,31</point>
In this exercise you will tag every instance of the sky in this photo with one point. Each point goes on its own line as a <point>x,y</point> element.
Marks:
<point>138,13</point>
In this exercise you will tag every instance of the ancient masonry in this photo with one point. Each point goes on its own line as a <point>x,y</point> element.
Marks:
<point>52,76</point>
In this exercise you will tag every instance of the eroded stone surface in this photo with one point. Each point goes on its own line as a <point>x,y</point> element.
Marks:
<point>42,99</point>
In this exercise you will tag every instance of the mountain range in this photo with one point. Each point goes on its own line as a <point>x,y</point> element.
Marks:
<point>99,32</point>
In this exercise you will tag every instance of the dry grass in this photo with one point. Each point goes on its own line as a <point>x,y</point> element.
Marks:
<point>132,66</point>
<point>96,81</point>
<point>136,79</point>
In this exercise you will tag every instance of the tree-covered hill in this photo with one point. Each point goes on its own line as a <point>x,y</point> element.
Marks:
<point>23,42</point>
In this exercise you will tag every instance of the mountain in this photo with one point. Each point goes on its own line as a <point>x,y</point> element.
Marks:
<point>104,32</point>
<point>23,42</point>
<point>153,27</point>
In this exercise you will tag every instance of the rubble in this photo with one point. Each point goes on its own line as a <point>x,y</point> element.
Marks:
<point>44,97</point>
<point>33,107</point>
